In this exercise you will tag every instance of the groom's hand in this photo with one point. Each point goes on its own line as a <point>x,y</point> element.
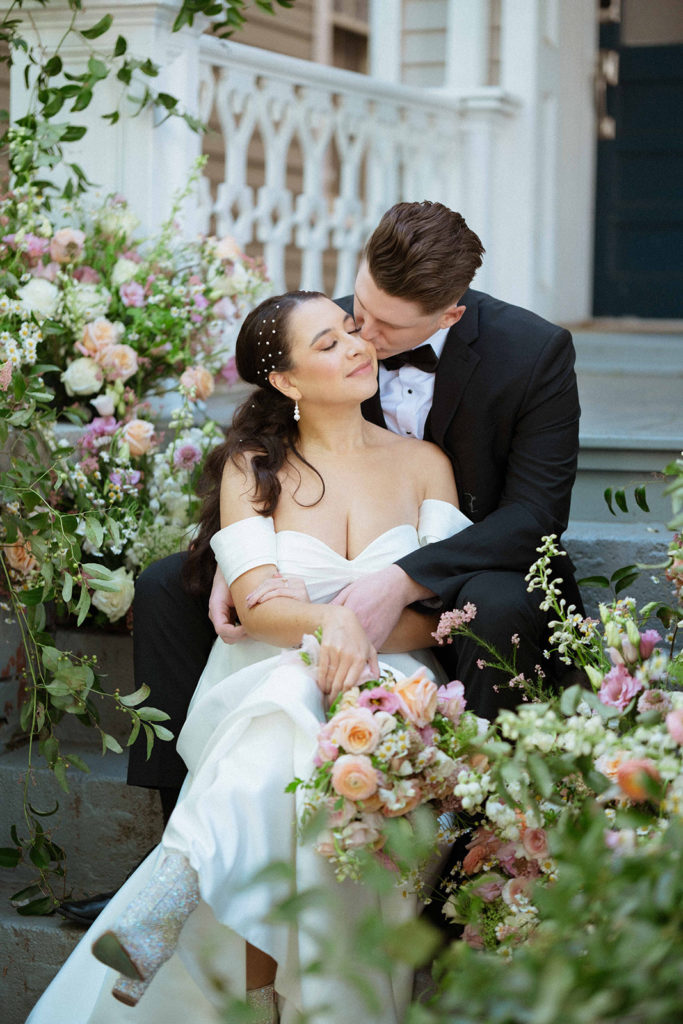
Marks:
<point>222,611</point>
<point>379,599</point>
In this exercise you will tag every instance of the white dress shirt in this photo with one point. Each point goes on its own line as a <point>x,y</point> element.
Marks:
<point>406,394</point>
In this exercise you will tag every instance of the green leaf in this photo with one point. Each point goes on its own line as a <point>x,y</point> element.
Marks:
<point>111,743</point>
<point>39,855</point>
<point>540,774</point>
<point>607,495</point>
<point>620,499</point>
<point>77,761</point>
<point>83,606</point>
<point>594,581</point>
<point>97,68</point>
<point>73,133</point>
<point>149,733</point>
<point>99,29</point>
<point>626,581</point>
<point>120,47</point>
<point>67,587</point>
<point>37,908</point>
<point>162,733</point>
<point>60,775</point>
<point>131,700</point>
<point>9,857</point>
<point>51,656</point>
<point>83,99</point>
<point>570,700</point>
<point>626,570</point>
<point>134,732</point>
<point>53,65</point>
<point>641,499</point>
<point>24,895</point>
<point>94,531</point>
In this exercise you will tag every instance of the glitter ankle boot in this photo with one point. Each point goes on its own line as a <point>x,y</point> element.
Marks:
<point>263,1001</point>
<point>146,934</point>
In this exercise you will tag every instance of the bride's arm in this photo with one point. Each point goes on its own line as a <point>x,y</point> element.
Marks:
<point>282,621</point>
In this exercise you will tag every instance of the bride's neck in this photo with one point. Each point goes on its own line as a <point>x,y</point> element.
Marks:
<point>332,430</point>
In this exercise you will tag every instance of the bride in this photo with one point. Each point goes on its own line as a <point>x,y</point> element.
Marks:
<point>303,485</point>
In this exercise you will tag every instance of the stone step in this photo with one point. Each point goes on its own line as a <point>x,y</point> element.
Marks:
<point>32,949</point>
<point>104,825</point>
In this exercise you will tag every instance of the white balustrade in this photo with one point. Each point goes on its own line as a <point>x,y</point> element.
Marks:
<point>386,143</point>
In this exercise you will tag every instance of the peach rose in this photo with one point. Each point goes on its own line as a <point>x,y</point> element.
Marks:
<point>66,245</point>
<point>403,798</point>
<point>119,362</point>
<point>99,335</point>
<point>226,248</point>
<point>139,436</point>
<point>535,843</point>
<point>674,724</point>
<point>354,777</point>
<point>18,556</point>
<point>355,730</point>
<point>632,776</point>
<point>198,382</point>
<point>419,694</point>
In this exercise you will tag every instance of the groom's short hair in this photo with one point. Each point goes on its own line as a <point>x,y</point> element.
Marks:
<point>425,253</point>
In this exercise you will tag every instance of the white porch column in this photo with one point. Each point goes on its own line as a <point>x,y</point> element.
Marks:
<point>146,161</point>
<point>466,44</point>
<point>544,203</point>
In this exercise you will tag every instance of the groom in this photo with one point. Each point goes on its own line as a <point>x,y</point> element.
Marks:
<point>494,386</point>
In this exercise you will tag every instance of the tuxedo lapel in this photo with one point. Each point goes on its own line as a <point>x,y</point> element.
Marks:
<point>372,410</point>
<point>456,365</point>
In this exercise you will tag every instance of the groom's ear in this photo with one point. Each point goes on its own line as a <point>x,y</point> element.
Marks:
<point>282,383</point>
<point>451,315</point>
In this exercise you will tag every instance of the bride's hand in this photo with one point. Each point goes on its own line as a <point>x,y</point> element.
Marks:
<point>345,653</point>
<point>278,585</point>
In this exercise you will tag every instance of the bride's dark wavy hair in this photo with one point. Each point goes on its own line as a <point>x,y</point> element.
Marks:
<point>263,427</point>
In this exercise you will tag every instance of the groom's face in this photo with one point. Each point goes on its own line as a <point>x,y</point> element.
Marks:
<point>394,324</point>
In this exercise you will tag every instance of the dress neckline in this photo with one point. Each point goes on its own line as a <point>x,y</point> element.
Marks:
<point>343,558</point>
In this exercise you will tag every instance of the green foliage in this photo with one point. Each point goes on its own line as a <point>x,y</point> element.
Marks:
<point>228,16</point>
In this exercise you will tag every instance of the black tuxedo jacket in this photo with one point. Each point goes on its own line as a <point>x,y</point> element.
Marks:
<point>506,412</point>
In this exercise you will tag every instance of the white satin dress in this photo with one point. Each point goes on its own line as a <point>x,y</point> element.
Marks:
<point>250,730</point>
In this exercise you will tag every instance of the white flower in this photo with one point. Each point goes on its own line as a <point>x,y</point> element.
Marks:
<point>114,604</point>
<point>117,219</point>
<point>123,270</point>
<point>88,300</point>
<point>40,297</point>
<point>104,404</point>
<point>82,377</point>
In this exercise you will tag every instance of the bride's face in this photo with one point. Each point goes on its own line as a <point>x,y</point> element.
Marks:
<point>330,360</point>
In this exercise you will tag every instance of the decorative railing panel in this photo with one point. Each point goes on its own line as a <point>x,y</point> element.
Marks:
<point>361,144</point>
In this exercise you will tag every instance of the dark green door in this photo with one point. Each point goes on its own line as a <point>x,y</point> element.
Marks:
<point>639,195</point>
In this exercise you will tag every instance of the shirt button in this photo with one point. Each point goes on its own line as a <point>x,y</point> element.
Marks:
<point>410,391</point>
<point>408,431</point>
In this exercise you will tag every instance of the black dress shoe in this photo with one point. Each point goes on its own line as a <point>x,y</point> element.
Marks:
<point>85,911</point>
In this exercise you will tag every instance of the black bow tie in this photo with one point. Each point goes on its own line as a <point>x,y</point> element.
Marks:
<point>424,358</point>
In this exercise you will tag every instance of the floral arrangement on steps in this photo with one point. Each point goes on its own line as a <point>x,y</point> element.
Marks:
<point>94,327</point>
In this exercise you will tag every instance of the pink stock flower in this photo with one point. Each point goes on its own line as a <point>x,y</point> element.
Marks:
<point>327,751</point>
<point>186,455</point>
<point>380,699</point>
<point>427,734</point>
<point>229,371</point>
<point>674,725</point>
<point>453,621</point>
<point>451,700</point>
<point>489,891</point>
<point>225,308</point>
<point>87,274</point>
<point>101,428</point>
<point>648,640</point>
<point>619,687</point>
<point>5,375</point>
<point>46,271</point>
<point>472,937</point>
<point>132,294</point>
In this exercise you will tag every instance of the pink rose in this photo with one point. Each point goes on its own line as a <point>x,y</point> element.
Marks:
<point>119,362</point>
<point>87,274</point>
<point>198,382</point>
<point>419,694</point>
<point>535,843</point>
<point>451,700</point>
<point>361,833</point>
<point>472,937</point>
<point>139,436</point>
<point>354,777</point>
<point>338,817</point>
<point>632,778</point>
<point>327,751</point>
<point>674,724</point>
<point>132,294</point>
<point>489,891</point>
<point>66,245</point>
<point>356,730</point>
<point>515,889</point>
<point>619,687</point>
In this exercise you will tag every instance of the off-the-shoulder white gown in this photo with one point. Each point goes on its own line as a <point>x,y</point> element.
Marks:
<point>250,730</point>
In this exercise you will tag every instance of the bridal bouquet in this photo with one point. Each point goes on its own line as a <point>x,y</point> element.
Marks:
<point>388,746</point>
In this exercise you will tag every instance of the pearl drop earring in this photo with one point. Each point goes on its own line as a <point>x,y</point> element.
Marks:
<point>297,414</point>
